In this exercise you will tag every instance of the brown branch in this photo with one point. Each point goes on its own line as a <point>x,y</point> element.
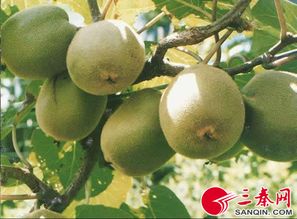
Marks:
<point>91,144</point>
<point>268,60</point>
<point>196,35</point>
<point>95,11</point>
<point>45,193</point>
<point>165,67</point>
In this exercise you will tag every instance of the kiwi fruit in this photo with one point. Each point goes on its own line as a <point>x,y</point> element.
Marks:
<point>105,57</point>
<point>65,112</point>
<point>202,112</point>
<point>132,139</point>
<point>232,152</point>
<point>34,42</point>
<point>43,213</point>
<point>271,115</point>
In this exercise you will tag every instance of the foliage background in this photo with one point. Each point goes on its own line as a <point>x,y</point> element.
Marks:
<point>56,162</point>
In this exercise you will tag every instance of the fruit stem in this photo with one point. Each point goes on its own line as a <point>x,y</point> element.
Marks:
<point>88,188</point>
<point>281,19</point>
<point>217,46</point>
<point>190,53</point>
<point>17,150</point>
<point>18,197</point>
<point>105,9</point>
<point>151,22</point>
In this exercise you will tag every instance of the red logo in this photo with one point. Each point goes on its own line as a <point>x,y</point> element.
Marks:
<point>215,200</point>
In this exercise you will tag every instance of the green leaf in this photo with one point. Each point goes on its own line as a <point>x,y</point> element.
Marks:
<point>55,161</point>
<point>201,8</point>
<point>290,11</point>
<point>100,211</point>
<point>46,150</point>
<point>242,79</point>
<point>264,11</point>
<point>267,30</point>
<point>70,163</point>
<point>291,67</point>
<point>162,173</point>
<point>179,9</point>
<point>3,16</point>
<point>6,182</point>
<point>293,168</point>
<point>134,212</point>
<point>264,38</point>
<point>101,178</point>
<point>165,204</point>
<point>7,119</point>
<point>33,88</point>
<point>15,114</point>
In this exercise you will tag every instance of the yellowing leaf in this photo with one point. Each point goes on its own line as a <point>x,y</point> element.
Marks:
<point>152,83</point>
<point>127,10</point>
<point>194,21</point>
<point>175,55</point>
<point>113,196</point>
<point>22,3</point>
<point>190,21</point>
<point>79,6</point>
<point>259,69</point>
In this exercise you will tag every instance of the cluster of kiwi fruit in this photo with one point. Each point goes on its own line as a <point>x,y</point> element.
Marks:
<point>201,114</point>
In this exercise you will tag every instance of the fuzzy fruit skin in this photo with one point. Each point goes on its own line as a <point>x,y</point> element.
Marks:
<point>132,139</point>
<point>34,42</point>
<point>202,112</point>
<point>271,121</point>
<point>65,112</point>
<point>43,213</point>
<point>232,152</point>
<point>105,57</point>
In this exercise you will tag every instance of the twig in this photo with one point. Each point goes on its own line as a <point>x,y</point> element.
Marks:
<point>17,149</point>
<point>217,46</point>
<point>286,54</point>
<point>18,197</point>
<point>196,35</point>
<point>267,57</point>
<point>281,19</point>
<point>281,61</point>
<point>190,53</point>
<point>151,22</point>
<point>105,9</point>
<point>95,11</point>
<point>290,39</point>
<point>216,36</point>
